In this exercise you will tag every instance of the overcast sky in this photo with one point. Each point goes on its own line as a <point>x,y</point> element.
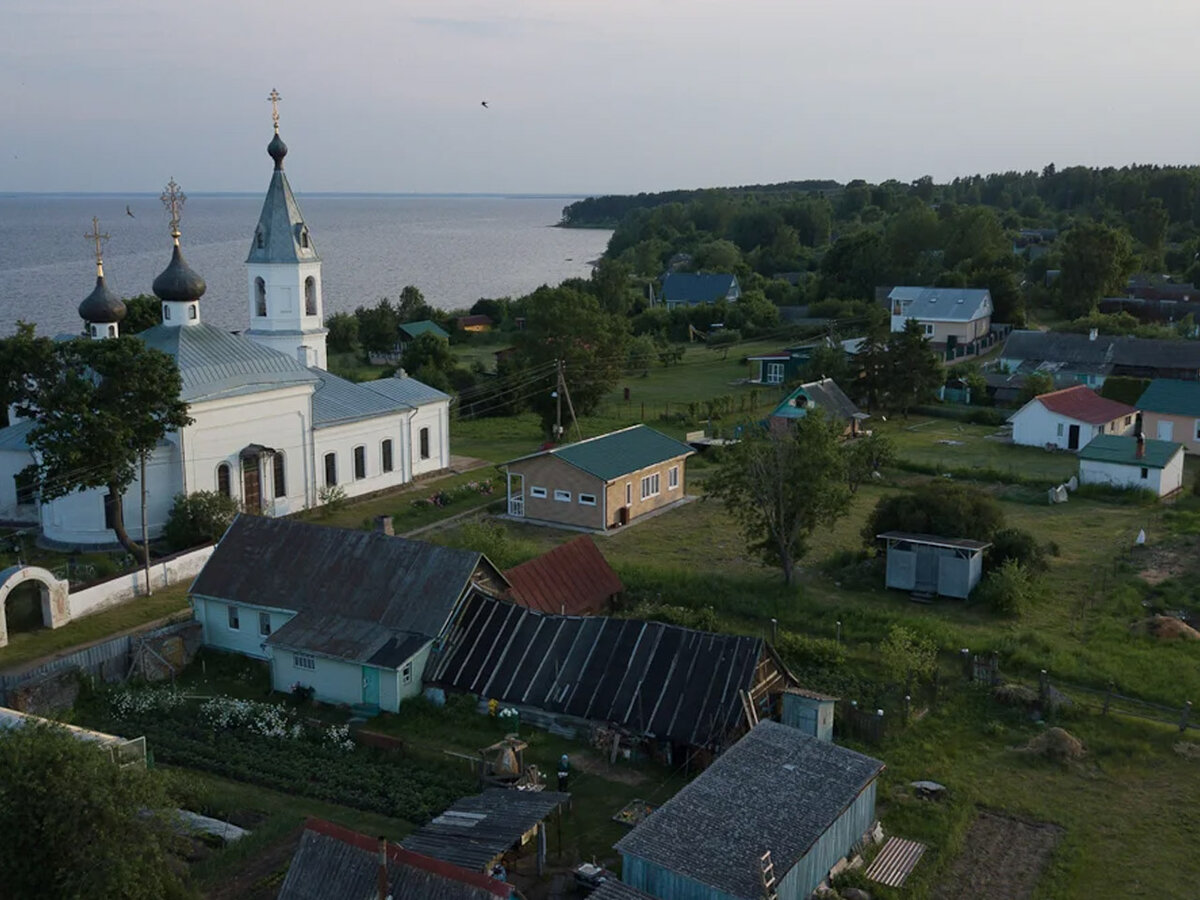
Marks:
<point>585,96</point>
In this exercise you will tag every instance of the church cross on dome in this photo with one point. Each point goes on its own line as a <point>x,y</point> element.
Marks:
<point>275,98</point>
<point>95,236</point>
<point>173,199</point>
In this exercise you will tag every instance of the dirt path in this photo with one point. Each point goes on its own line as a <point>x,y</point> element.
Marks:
<point>263,874</point>
<point>1002,859</point>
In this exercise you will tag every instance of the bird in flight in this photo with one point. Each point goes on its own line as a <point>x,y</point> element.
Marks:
<point>484,104</point>
<point>129,212</point>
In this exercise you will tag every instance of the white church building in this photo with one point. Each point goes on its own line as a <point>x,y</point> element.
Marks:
<point>272,428</point>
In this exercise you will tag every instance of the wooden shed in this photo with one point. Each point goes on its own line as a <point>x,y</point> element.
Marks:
<point>929,565</point>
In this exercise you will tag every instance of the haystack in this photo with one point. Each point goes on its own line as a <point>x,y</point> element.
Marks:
<point>1015,694</point>
<point>1056,744</point>
<point>1167,628</point>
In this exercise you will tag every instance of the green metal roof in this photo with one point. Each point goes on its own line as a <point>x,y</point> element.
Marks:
<point>1115,448</point>
<point>618,453</point>
<point>1173,397</point>
<point>416,329</point>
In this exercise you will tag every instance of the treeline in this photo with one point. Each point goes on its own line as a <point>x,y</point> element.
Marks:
<point>1011,232</point>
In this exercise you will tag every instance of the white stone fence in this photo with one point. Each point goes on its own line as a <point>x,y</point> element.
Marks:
<point>114,591</point>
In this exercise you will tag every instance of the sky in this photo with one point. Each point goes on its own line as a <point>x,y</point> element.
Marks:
<point>585,96</point>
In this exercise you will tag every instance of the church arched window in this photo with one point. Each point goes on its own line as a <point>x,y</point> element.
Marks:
<point>278,470</point>
<point>310,296</point>
<point>304,238</point>
<point>223,480</point>
<point>258,239</point>
<point>193,311</point>
<point>260,297</point>
<point>166,312</point>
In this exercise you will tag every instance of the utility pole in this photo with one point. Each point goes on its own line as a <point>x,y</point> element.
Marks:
<point>570,406</point>
<point>558,395</point>
<point>145,532</point>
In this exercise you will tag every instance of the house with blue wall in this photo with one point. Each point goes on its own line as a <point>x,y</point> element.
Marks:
<point>772,815</point>
<point>824,395</point>
<point>352,614</point>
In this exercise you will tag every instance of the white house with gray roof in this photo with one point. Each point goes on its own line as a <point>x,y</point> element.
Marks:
<point>272,429</point>
<point>949,317</point>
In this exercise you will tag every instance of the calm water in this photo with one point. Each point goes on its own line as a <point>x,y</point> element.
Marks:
<point>455,249</point>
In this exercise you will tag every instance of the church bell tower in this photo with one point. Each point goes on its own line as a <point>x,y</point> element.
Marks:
<point>284,270</point>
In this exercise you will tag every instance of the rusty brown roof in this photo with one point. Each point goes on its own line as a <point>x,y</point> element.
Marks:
<point>572,579</point>
<point>404,585</point>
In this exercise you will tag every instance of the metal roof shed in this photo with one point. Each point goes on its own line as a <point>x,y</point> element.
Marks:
<point>927,564</point>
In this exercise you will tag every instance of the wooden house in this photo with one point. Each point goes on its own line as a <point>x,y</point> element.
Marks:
<point>600,483</point>
<point>475,323</point>
<point>928,565</point>
<point>824,395</point>
<point>770,817</point>
<point>351,614</point>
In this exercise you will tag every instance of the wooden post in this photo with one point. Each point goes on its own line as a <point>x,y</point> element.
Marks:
<point>839,631</point>
<point>541,850</point>
<point>1044,690</point>
<point>907,707</point>
<point>1183,718</point>
<point>965,656</point>
<point>774,632</point>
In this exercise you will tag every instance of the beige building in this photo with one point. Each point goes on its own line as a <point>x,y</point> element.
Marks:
<point>601,483</point>
<point>949,317</point>
<point>1171,412</point>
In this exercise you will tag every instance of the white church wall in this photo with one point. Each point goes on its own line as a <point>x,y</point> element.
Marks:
<point>11,464</point>
<point>78,518</point>
<point>277,419</point>
<point>341,440</point>
<point>435,417</point>
<point>123,588</point>
<point>286,326</point>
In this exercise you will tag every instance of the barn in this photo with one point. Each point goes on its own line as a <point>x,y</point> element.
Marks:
<point>770,817</point>
<point>927,565</point>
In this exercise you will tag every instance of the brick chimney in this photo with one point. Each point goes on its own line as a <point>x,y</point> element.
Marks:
<point>383,524</point>
<point>1141,445</point>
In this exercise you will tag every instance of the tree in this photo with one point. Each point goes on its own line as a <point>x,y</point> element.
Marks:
<point>428,349</point>
<point>1150,227</point>
<point>780,487</point>
<point>827,362</point>
<point>722,340</point>
<point>378,327</point>
<point>100,407</point>
<point>198,518</point>
<point>872,361</point>
<point>412,307</point>
<point>914,370</point>
<point>566,324</point>
<point>1036,384</point>
<point>76,824</point>
<point>1096,261</point>
<point>24,360</point>
<point>642,352</point>
<point>865,455</point>
<point>906,656</point>
<point>941,508</point>
<point>343,332</point>
<point>141,312</point>
<point>610,283</point>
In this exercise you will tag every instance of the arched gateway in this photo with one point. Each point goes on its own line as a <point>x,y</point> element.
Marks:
<point>56,609</point>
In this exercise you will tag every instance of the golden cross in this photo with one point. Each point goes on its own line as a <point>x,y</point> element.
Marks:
<point>173,199</point>
<point>274,98</point>
<point>98,238</point>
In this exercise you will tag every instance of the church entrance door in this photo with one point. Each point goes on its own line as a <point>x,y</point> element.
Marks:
<point>251,483</point>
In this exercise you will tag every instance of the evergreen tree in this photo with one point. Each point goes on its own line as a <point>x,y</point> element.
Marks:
<point>914,372</point>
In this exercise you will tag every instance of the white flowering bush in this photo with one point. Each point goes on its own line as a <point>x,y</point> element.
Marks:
<point>131,702</point>
<point>338,736</point>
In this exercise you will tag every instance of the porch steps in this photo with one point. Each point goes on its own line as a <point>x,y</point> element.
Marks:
<point>364,711</point>
<point>921,597</point>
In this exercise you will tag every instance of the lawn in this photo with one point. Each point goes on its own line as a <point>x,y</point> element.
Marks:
<point>24,647</point>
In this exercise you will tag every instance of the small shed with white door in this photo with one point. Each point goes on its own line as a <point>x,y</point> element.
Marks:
<point>927,564</point>
<point>1132,462</point>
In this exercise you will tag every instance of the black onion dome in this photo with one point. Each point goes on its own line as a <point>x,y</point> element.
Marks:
<point>178,283</point>
<point>102,306</point>
<point>277,150</point>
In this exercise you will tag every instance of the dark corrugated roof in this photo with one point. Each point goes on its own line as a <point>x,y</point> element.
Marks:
<point>617,890</point>
<point>661,680</point>
<point>776,789</point>
<point>354,640</point>
<point>475,830</point>
<point>335,863</point>
<point>1125,350</point>
<point>337,401</point>
<point>697,287</point>
<point>617,453</point>
<point>934,540</point>
<point>1173,397</point>
<point>401,584</point>
<point>405,389</point>
<point>943,304</point>
<point>574,578</point>
<point>1115,448</point>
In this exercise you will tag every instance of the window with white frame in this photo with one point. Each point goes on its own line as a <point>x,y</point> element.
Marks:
<point>234,622</point>
<point>650,486</point>
<point>927,327</point>
<point>304,661</point>
<point>774,373</point>
<point>264,624</point>
<point>538,492</point>
<point>1060,429</point>
<point>1145,473</point>
<point>406,673</point>
<point>562,496</point>
<point>587,499</point>
<point>672,478</point>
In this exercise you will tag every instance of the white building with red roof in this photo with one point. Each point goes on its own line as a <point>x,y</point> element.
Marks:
<point>1068,419</point>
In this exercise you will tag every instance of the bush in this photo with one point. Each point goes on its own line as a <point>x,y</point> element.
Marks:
<point>1019,546</point>
<point>198,518</point>
<point>939,508</point>
<point>802,651</point>
<point>332,498</point>
<point>1007,589</point>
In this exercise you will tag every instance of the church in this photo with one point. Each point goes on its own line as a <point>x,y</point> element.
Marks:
<point>272,428</point>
